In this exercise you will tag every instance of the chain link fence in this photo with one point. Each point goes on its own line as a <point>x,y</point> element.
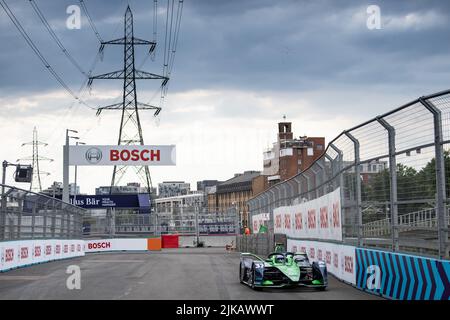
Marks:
<point>28,215</point>
<point>393,172</point>
<point>182,220</point>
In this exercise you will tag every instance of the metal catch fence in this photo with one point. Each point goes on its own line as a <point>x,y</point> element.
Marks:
<point>394,174</point>
<point>28,215</point>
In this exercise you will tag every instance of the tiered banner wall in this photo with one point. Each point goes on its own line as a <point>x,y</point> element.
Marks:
<point>316,219</point>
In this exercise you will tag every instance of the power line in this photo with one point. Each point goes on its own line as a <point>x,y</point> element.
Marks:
<point>170,46</point>
<point>155,25</point>
<point>38,53</point>
<point>177,32</point>
<point>55,37</point>
<point>91,22</point>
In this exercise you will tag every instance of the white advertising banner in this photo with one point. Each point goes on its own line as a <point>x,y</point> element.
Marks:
<point>319,218</point>
<point>16,254</point>
<point>258,220</point>
<point>340,259</point>
<point>125,155</point>
<point>116,245</point>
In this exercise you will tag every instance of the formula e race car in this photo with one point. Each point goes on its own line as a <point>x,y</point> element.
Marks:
<point>282,269</point>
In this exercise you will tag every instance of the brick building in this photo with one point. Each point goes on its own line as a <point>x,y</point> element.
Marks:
<point>233,193</point>
<point>287,157</point>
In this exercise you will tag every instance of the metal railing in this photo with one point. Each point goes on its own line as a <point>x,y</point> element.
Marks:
<point>29,215</point>
<point>425,220</point>
<point>388,168</point>
<point>183,220</point>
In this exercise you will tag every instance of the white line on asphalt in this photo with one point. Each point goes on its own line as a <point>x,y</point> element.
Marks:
<point>22,278</point>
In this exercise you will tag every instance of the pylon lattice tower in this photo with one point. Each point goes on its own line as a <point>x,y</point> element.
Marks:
<point>130,131</point>
<point>36,185</point>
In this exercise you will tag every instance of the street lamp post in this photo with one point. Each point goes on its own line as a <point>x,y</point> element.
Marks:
<point>65,196</point>
<point>75,195</point>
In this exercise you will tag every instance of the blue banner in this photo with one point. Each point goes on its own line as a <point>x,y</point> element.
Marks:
<point>401,276</point>
<point>122,201</point>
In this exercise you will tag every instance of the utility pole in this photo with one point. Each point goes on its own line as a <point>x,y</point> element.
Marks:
<point>65,195</point>
<point>36,185</point>
<point>130,130</point>
<point>75,193</point>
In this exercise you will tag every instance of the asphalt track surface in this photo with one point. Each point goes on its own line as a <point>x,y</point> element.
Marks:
<point>178,274</point>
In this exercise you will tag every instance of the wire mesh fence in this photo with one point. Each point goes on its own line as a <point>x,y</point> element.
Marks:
<point>181,219</point>
<point>393,172</point>
<point>28,215</point>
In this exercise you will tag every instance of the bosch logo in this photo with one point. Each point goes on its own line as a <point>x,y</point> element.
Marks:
<point>324,217</point>
<point>135,155</point>
<point>298,221</point>
<point>24,253</point>
<point>99,245</point>
<point>287,221</point>
<point>328,257</point>
<point>312,253</point>
<point>58,249</point>
<point>37,251</point>
<point>336,260</point>
<point>9,255</point>
<point>94,155</point>
<point>348,264</point>
<point>48,250</point>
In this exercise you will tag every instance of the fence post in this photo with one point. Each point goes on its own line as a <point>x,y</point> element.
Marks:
<point>340,159</point>
<point>19,217</point>
<point>33,219</point>
<point>308,185</point>
<point>44,220</point>
<point>332,172</point>
<point>440,177</point>
<point>316,184</point>
<point>358,185</point>
<point>53,221</point>
<point>324,176</point>
<point>393,180</point>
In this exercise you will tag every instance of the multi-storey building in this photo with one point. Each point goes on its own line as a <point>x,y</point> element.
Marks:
<point>288,156</point>
<point>173,188</point>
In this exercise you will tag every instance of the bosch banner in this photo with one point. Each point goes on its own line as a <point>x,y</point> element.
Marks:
<point>126,155</point>
<point>340,259</point>
<point>15,254</point>
<point>319,218</point>
<point>116,245</point>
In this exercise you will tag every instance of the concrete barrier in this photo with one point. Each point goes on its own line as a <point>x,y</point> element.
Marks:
<point>21,253</point>
<point>209,241</point>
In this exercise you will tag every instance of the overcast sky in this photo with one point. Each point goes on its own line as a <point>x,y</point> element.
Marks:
<point>239,67</point>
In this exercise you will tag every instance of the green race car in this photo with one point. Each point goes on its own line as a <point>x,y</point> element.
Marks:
<point>282,269</point>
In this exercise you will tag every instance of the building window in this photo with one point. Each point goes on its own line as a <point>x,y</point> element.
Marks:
<point>319,147</point>
<point>310,151</point>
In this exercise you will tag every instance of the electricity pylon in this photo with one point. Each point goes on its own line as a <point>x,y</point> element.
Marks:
<point>35,158</point>
<point>130,131</point>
